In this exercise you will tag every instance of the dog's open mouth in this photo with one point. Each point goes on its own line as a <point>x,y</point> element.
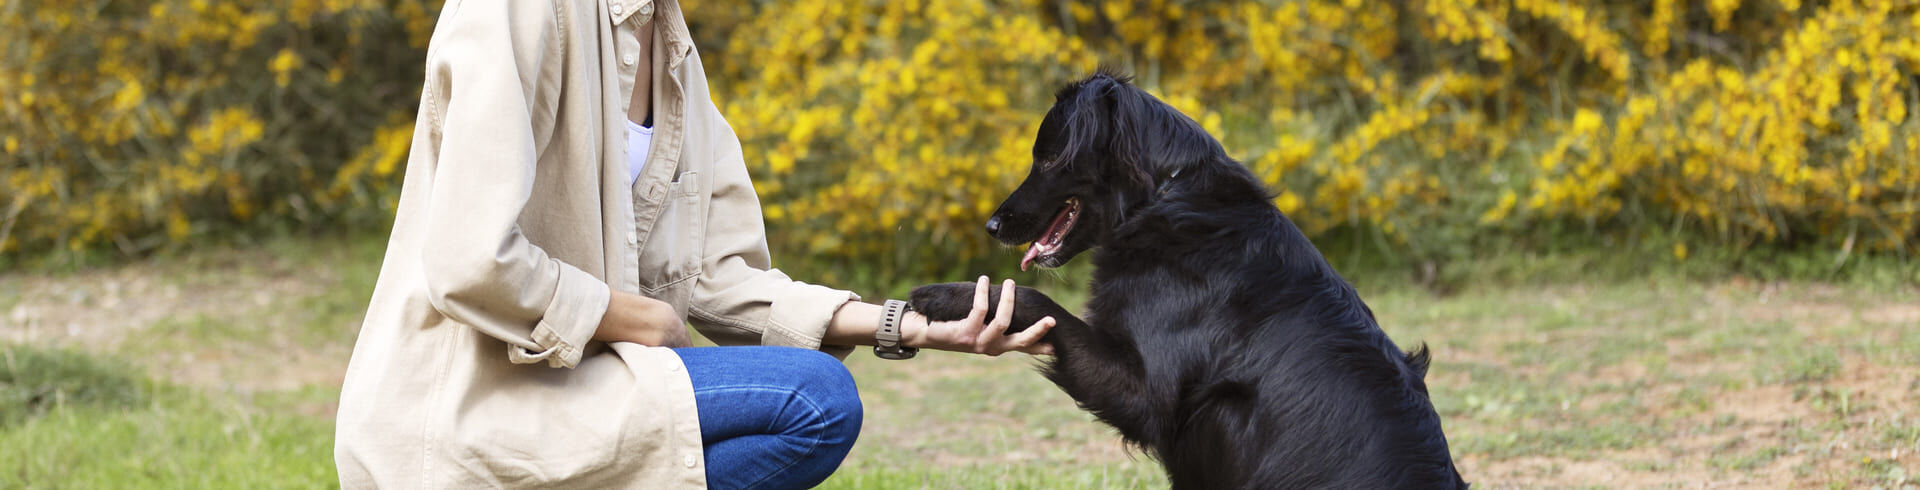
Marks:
<point>1055,235</point>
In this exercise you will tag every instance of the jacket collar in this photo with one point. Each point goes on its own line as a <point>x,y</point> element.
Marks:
<point>667,18</point>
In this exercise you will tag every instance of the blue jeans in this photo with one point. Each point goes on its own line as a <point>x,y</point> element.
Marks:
<point>772,417</point>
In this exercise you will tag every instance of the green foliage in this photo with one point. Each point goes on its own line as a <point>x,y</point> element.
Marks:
<point>881,134</point>
<point>135,125</point>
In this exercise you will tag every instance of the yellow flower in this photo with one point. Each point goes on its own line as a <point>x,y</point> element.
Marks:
<point>1499,212</point>
<point>1288,202</point>
<point>283,65</point>
<point>177,226</point>
<point>130,95</point>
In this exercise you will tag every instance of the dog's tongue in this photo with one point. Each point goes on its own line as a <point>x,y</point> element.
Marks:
<point>1032,251</point>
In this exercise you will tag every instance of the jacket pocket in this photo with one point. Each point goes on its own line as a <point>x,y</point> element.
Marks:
<point>674,248</point>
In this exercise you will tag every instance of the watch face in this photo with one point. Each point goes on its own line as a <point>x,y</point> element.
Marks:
<point>897,353</point>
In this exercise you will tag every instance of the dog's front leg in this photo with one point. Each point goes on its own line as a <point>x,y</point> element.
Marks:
<point>1102,371</point>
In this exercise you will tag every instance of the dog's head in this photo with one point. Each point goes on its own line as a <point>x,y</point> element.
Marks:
<point>1103,150</point>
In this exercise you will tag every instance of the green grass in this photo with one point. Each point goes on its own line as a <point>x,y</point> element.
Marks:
<point>949,420</point>
<point>1661,379</point>
<point>35,381</point>
<point>1039,476</point>
<point>96,423</point>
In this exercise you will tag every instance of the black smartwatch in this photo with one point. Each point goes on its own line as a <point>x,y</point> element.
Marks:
<point>888,335</point>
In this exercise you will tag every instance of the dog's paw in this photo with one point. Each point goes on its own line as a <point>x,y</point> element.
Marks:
<point>954,300</point>
<point>944,302</point>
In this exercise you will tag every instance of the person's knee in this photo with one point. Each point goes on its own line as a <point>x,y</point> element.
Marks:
<point>832,388</point>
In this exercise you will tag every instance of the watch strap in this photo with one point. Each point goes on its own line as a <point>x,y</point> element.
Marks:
<point>887,336</point>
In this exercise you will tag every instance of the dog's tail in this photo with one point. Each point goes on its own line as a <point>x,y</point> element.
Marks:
<point>1418,359</point>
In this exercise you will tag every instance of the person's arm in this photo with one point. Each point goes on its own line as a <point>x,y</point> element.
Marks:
<point>738,296</point>
<point>478,268</point>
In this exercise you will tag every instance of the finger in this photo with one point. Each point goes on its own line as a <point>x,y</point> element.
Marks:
<point>979,312</point>
<point>1004,317</point>
<point>991,339</point>
<point>1040,349</point>
<point>1027,339</point>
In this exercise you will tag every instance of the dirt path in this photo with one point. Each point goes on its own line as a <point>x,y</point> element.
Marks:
<point>234,321</point>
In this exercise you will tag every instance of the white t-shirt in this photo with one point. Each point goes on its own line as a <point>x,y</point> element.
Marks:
<point>639,141</point>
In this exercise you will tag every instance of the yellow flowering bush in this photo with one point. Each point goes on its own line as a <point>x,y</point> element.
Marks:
<point>882,133</point>
<point>878,128</point>
<point>134,124</point>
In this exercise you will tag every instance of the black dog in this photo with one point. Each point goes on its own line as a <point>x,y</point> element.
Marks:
<point>1217,337</point>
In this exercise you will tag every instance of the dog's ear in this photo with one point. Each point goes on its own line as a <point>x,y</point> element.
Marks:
<point>1150,141</point>
<point>1102,122</point>
<point>1154,140</point>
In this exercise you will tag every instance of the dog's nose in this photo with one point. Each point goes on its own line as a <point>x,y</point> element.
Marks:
<point>993,226</point>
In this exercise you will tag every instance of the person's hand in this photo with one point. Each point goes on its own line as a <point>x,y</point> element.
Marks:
<point>641,320</point>
<point>978,334</point>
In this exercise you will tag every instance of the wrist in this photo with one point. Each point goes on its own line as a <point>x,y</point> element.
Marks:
<point>889,335</point>
<point>913,330</point>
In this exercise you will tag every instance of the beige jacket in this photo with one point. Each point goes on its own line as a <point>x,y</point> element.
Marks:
<point>475,367</point>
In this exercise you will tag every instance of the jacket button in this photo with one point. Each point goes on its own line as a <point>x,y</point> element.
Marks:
<point>629,59</point>
<point>646,8</point>
<point>618,8</point>
<point>688,460</point>
<point>633,238</point>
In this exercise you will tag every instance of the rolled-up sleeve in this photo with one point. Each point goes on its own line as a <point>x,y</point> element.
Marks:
<point>478,267</point>
<point>738,289</point>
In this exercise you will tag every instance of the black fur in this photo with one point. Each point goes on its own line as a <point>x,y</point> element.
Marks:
<point>1217,337</point>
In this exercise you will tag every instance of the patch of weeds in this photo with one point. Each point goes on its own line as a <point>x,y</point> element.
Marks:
<point>1805,469</point>
<point>1887,471</point>
<point>1681,329</point>
<point>1798,431</point>
<point>1518,402</point>
<point>1622,407</point>
<point>1840,402</point>
<point>999,476</point>
<point>1900,433</point>
<point>35,381</point>
<point>1689,401</point>
<point>197,332</point>
<point>1725,420</point>
<point>1748,461</point>
<point>1570,440</point>
<point>1818,363</point>
<point>1610,350</point>
<point>1560,318</point>
<point>1649,465</point>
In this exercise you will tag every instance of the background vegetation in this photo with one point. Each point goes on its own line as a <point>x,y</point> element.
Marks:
<point>1605,194</point>
<point>882,133</point>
